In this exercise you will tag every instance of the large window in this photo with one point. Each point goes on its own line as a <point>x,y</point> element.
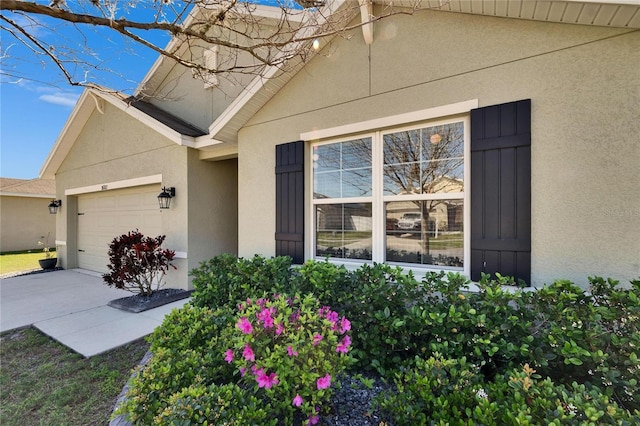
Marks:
<point>342,189</point>
<point>392,196</point>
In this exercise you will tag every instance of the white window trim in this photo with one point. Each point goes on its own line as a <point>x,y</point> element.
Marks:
<point>391,121</point>
<point>374,128</point>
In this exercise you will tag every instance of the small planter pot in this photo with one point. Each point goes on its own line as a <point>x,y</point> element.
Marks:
<point>48,263</point>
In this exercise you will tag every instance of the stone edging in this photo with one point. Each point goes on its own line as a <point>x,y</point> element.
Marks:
<point>120,420</point>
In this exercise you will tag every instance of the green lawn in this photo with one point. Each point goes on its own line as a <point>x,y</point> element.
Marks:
<point>17,262</point>
<point>45,383</point>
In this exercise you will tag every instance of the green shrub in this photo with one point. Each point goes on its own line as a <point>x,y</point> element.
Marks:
<point>289,351</point>
<point>227,280</point>
<point>331,284</point>
<point>378,307</point>
<point>454,392</point>
<point>490,328</point>
<point>591,337</point>
<point>186,351</point>
<point>226,404</point>
<point>166,374</point>
<point>191,328</point>
<point>474,342</point>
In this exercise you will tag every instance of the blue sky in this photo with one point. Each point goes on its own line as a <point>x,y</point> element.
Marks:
<point>34,109</point>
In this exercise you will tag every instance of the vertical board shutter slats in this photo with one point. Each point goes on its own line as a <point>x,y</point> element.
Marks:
<point>501,190</point>
<point>290,201</point>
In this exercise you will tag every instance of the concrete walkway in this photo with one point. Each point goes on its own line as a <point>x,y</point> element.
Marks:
<point>71,307</point>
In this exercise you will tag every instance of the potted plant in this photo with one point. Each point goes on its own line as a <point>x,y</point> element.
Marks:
<point>49,262</point>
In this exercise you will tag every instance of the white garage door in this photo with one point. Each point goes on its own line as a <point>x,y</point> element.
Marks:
<point>104,215</point>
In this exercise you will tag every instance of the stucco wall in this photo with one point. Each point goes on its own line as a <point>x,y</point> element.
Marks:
<point>185,96</point>
<point>213,208</point>
<point>584,83</point>
<point>114,147</point>
<point>24,221</point>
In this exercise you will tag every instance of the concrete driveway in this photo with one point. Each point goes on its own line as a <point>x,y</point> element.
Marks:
<point>71,307</point>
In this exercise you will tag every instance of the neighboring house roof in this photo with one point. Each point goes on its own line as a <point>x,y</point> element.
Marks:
<point>170,126</point>
<point>35,188</point>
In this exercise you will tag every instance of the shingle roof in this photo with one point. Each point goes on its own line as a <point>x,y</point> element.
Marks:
<point>28,186</point>
<point>166,118</point>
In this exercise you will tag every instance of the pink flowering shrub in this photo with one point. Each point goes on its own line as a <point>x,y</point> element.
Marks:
<point>289,350</point>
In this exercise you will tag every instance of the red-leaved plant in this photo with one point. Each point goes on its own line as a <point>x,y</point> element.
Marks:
<point>137,263</point>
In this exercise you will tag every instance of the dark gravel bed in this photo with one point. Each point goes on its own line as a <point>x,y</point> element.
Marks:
<point>352,405</point>
<point>139,303</point>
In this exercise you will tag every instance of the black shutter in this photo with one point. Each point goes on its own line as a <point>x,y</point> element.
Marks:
<point>501,190</point>
<point>290,201</point>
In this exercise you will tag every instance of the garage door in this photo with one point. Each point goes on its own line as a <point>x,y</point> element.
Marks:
<point>105,215</point>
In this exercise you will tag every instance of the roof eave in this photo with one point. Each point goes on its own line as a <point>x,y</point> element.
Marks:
<point>87,103</point>
<point>266,78</point>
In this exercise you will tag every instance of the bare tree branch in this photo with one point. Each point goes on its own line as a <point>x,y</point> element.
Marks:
<point>234,25</point>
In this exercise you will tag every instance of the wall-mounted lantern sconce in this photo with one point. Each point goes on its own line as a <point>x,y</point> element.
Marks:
<point>164,199</point>
<point>53,206</point>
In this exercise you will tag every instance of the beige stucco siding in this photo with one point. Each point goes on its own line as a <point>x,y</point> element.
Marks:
<point>114,147</point>
<point>584,83</point>
<point>24,221</point>
<point>185,96</point>
<point>213,208</point>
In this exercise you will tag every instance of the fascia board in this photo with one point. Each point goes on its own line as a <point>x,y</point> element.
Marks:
<point>241,100</point>
<point>78,118</point>
<point>260,81</point>
<point>205,141</point>
<point>72,127</point>
<point>149,121</point>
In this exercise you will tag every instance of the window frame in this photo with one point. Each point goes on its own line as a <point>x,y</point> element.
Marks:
<point>376,129</point>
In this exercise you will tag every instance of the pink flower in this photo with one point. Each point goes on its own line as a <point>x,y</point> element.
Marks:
<point>248,353</point>
<point>313,420</point>
<point>324,382</point>
<point>268,322</point>
<point>266,381</point>
<point>243,371</point>
<point>291,352</point>
<point>344,345</point>
<point>297,401</point>
<point>228,356</point>
<point>332,316</point>
<point>265,317</point>
<point>279,329</point>
<point>317,338</point>
<point>345,325</point>
<point>245,325</point>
